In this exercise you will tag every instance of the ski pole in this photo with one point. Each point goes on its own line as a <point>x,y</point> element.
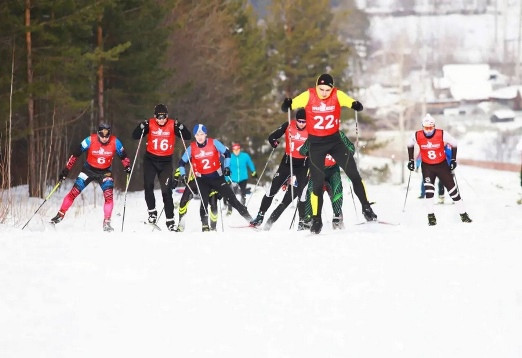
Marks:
<point>128,180</point>
<point>407,189</point>
<point>290,151</point>
<point>260,176</point>
<point>221,215</point>
<point>195,177</point>
<point>47,198</point>
<point>293,217</point>
<point>357,137</point>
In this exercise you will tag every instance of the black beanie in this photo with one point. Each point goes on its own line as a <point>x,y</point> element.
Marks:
<point>325,79</point>
<point>300,114</point>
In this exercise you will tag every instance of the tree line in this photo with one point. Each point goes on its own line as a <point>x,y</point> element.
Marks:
<point>67,65</point>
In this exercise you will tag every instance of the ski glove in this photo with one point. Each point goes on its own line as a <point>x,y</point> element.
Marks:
<point>357,106</point>
<point>63,174</point>
<point>453,164</point>
<point>411,165</point>
<point>144,125</point>
<point>274,143</point>
<point>226,171</point>
<point>254,175</point>
<point>127,169</point>
<point>287,104</point>
<point>184,179</point>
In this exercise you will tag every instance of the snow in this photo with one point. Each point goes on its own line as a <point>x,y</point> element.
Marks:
<point>370,290</point>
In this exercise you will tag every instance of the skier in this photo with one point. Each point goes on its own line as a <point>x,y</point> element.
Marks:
<point>204,156</point>
<point>431,145</point>
<point>161,134</point>
<point>323,113</point>
<point>101,148</point>
<point>189,192</point>
<point>296,133</point>
<point>240,164</point>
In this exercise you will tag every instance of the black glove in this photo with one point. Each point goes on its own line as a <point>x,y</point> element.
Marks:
<point>411,165</point>
<point>274,143</point>
<point>287,104</point>
<point>357,106</point>
<point>453,164</point>
<point>185,179</point>
<point>144,125</point>
<point>254,175</point>
<point>226,171</point>
<point>63,174</point>
<point>127,169</point>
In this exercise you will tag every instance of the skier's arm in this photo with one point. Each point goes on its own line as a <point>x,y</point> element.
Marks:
<point>181,130</point>
<point>183,161</point>
<point>143,127</point>
<point>224,151</point>
<point>275,135</point>
<point>122,154</point>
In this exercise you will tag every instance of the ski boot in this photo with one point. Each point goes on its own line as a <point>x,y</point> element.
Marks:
<point>432,220</point>
<point>317,225</point>
<point>171,226</point>
<point>107,225</point>
<point>464,217</point>
<point>337,223</point>
<point>368,213</point>
<point>58,217</point>
<point>441,199</point>
<point>303,225</point>
<point>258,220</point>
<point>205,228</point>
<point>153,216</point>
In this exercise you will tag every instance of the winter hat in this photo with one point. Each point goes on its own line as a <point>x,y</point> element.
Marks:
<point>325,79</point>
<point>300,114</point>
<point>236,146</point>
<point>199,128</point>
<point>428,121</point>
<point>161,111</point>
<point>104,129</point>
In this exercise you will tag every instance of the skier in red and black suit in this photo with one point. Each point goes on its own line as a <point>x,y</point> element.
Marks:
<point>204,156</point>
<point>161,134</point>
<point>296,133</point>
<point>101,148</point>
<point>323,115</point>
<point>431,143</point>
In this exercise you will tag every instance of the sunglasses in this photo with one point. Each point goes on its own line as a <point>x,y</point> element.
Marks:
<point>161,116</point>
<point>300,121</point>
<point>107,135</point>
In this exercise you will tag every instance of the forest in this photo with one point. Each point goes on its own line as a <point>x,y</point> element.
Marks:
<point>68,65</point>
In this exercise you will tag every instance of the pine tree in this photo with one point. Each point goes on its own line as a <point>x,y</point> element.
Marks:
<point>304,43</point>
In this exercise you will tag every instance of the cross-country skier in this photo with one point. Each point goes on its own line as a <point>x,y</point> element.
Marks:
<point>204,156</point>
<point>101,147</point>
<point>431,145</point>
<point>296,133</point>
<point>240,163</point>
<point>161,132</point>
<point>323,116</point>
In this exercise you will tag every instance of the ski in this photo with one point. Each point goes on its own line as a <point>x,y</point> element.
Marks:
<point>378,222</point>
<point>245,226</point>
<point>154,226</point>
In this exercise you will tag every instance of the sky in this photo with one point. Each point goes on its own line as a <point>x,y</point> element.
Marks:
<point>370,290</point>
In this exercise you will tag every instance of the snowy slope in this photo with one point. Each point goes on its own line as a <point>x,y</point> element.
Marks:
<point>371,290</point>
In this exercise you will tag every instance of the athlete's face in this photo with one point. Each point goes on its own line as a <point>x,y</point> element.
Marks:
<point>161,119</point>
<point>200,137</point>
<point>104,136</point>
<point>324,91</point>
<point>301,123</point>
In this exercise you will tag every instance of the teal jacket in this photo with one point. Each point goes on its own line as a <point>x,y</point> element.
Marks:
<point>239,166</point>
